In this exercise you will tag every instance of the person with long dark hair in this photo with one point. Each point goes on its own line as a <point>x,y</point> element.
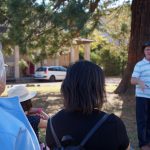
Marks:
<point>83,92</point>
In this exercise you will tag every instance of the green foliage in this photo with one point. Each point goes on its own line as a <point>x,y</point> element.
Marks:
<point>76,14</point>
<point>110,62</point>
<point>42,30</point>
<point>29,20</point>
<point>24,17</point>
<point>109,48</point>
<point>103,55</point>
<point>23,64</point>
<point>3,11</point>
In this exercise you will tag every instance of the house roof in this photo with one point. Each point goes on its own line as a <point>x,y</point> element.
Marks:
<point>83,40</point>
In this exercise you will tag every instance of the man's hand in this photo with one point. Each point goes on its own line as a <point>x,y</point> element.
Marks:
<point>139,82</point>
<point>142,85</point>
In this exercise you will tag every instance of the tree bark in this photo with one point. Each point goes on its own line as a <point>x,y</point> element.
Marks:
<point>140,32</point>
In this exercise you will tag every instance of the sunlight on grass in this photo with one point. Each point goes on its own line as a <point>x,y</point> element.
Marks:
<point>56,89</point>
<point>46,89</point>
<point>111,87</point>
<point>39,89</point>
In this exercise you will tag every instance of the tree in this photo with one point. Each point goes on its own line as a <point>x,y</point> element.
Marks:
<point>30,21</point>
<point>118,33</point>
<point>47,28</point>
<point>3,12</point>
<point>140,32</point>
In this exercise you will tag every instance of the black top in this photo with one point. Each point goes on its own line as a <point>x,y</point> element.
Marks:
<point>110,136</point>
<point>34,121</point>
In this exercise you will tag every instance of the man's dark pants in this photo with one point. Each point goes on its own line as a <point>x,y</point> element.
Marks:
<point>143,120</point>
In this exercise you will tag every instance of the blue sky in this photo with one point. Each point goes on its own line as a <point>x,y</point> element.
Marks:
<point>122,1</point>
<point>117,3</point>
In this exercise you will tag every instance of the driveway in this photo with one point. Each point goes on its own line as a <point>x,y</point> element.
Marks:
<point>29,82</point>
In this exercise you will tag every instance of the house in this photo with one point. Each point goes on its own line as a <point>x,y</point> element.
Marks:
<point>65,59</point>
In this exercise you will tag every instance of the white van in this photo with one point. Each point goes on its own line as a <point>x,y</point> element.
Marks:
<point>51,73</point>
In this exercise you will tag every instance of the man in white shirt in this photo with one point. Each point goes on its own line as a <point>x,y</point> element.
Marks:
<point>141,78</point>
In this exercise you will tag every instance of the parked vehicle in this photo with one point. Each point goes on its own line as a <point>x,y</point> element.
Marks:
<point>51,73</point>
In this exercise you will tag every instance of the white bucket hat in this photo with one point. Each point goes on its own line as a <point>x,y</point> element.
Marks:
<point>22,92</point>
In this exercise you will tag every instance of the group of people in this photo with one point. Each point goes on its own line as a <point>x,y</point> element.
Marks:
<point>81,123</point>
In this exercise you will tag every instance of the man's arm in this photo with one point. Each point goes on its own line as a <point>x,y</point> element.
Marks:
<point>137,81</point>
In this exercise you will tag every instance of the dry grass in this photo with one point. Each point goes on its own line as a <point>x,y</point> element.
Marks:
<point>49,99</point>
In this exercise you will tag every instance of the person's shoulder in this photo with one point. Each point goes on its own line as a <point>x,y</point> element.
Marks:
<point>58,117</point>
<point>115,118</point>
<point>141,62</point>
<point>13,121</point>
<point>59,113</point>
<point>11,127</point>
<point>7,140</point>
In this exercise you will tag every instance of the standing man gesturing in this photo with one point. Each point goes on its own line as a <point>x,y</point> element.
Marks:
<point>141,78</point>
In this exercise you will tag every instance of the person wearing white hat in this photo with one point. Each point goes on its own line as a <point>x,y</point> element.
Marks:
<point>36,116</point>
<point>16,132</point>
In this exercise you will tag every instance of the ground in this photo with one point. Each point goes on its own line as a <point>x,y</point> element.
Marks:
<point>50,100</point>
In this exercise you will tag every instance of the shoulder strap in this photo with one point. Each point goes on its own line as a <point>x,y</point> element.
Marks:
<point>92,131</point>
<point>54,134</point>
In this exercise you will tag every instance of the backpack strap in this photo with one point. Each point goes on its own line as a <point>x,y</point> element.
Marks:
<point>92,131</point>
<point>89,134</point>
<point>54,134</point>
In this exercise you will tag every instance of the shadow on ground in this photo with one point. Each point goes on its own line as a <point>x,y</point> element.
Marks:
<point>50,102</point>
<point>128,116</point>
<point>124,107</point>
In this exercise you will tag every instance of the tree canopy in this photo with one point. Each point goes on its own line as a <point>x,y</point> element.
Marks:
<point>48,27</point>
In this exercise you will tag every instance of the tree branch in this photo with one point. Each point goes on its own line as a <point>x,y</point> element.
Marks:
<point>93,5</point>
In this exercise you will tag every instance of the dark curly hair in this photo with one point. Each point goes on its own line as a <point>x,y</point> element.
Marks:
<point>145,44</point>
<point>83,88</point>
<point>26,105</point>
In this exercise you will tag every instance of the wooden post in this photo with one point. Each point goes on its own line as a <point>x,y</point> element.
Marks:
<point>16,55</point>
<point>87,51</point>
<point>72,51</point>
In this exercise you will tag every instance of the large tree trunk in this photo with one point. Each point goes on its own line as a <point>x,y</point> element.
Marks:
<point>140,32</point>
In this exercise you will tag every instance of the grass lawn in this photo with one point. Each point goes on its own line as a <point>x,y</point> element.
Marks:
<point>50,100</point>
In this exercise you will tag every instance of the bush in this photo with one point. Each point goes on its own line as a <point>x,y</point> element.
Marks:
<point>108,60</point>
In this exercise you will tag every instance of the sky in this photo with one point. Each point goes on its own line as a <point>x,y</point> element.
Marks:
<point>117,3</point>
<point>122,1</point>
